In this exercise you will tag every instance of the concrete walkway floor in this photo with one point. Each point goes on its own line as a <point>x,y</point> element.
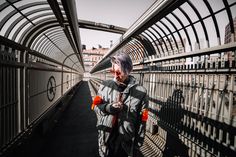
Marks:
<point>75,134</point>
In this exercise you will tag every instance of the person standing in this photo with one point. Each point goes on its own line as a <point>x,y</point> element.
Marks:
<point>121,111</point>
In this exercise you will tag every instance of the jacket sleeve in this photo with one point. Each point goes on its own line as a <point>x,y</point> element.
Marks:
<point>105,107</point>
<point>101,108</point>
<point>141,129</point>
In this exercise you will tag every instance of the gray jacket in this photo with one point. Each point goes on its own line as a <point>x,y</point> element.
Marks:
<point>130,125</point>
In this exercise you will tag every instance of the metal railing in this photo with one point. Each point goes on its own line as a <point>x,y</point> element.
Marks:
<point>29,85</point>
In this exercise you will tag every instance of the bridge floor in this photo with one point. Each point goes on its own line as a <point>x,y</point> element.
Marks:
<point>74,134</point>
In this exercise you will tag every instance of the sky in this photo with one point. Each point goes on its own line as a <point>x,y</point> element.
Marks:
<point>122,13</point>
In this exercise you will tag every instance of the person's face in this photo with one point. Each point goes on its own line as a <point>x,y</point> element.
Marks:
<point>117,73</point>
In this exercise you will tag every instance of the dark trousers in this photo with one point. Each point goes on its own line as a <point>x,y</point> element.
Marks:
<point>118,152</point>
<point>116,149</point>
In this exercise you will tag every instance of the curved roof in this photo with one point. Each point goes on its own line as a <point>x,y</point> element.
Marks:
<point>47,27</point>
<point>178,29</point>
<point>168,28</point>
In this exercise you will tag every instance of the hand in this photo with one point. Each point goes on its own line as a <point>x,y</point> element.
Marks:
<point>118,105</point>
<point>115,107</point>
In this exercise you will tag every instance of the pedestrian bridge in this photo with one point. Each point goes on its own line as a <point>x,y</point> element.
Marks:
<point>183,52</point>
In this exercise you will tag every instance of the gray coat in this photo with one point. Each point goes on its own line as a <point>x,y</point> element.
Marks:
<point>130,126</point>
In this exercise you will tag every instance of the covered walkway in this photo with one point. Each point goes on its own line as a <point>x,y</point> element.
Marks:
<point>183,53</point>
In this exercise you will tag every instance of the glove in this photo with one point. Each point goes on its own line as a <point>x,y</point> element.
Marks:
<point>96,101</point>
<point>144,115</point>
<point>114,107</point>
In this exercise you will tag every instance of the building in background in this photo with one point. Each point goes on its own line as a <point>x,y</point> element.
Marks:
<point>228,35</point>
<point>92,56</point>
